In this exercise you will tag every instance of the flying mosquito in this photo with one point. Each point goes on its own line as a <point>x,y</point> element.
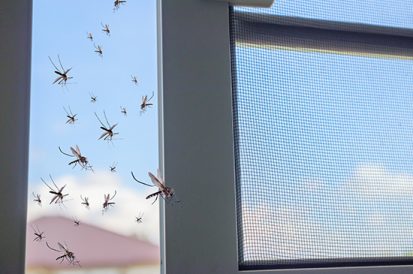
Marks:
<point>146,103</point>
<point>107,201</point>
<point>76,222</point>
<point>37,199</point>
<point>80,159</point>
<point>57,192</point>
<point>85,201</point>
<point>108,129</point>
<point>90,36</point>
<point>164,191</point>
<point>123,111</point>
<point>62,73</point>
<point>139,218</point>
<point>69,256</point>
<point>118,3</point>
<point>39,235</point>
<point>99,50</point>
<point>93,98</point>
<point>113,167</point>
<point>134,79</point>
<point>71,118</point>
<point>105,28</point>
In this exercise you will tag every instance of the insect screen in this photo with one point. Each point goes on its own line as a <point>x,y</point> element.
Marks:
<point>324,151</point>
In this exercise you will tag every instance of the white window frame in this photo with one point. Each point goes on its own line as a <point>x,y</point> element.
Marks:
<point>199,235</point>
<point>15,54</point>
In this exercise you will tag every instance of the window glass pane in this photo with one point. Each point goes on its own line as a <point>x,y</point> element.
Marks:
<point>324,156</point>
<point>392,13</point>
<point>105,241</point>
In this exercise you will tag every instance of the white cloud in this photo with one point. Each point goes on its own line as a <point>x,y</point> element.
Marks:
<point>375,181</point>
<point>120,218</point>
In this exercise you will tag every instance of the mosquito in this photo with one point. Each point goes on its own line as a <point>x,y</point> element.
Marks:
<point>39,235</point>
<point>90,36</point>
<point>123,111</point>
<point>69,256</point>
<point>57,192</point>
<point>146,102</point>
<point>63,77</point>
<point>37,199</point>
<point>80,159</point>
<point>85,201</point>
<point>139,218</point>
<point>99,50</point>
<point>117,4</point>
<point>71,118</point>
<point>105,28</point>
<point>134,79</point>
<point>107,201</point>
<point>93,98</point>
<point>164,191</point>
<point>108,130</point>
<point>113,167</point>
<point>76,222</point>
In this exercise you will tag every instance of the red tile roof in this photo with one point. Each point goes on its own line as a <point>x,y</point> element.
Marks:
<point>92,246</point>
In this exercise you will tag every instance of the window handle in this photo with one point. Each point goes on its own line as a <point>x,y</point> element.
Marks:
<point>249,3</point>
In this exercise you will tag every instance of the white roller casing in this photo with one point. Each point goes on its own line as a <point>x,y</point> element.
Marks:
<point>249,3</point>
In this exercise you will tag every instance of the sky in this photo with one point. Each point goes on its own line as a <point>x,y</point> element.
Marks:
<point>60,29</point>
<point>325,144</point>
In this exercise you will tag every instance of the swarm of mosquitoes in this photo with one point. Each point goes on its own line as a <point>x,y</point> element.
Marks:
<point>107,133</point>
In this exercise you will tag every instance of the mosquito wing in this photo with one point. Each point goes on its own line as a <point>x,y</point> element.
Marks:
<point>76,152</point>
<point>156,181</point>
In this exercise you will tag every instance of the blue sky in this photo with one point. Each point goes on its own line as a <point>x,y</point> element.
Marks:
<point>60,28</point>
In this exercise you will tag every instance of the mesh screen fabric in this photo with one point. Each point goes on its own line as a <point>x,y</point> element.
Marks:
<point>324,156</point>
<point>391,13</point>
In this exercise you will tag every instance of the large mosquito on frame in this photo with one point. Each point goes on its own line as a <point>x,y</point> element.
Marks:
<point>105,29</point>
<point>71,118</point>
<point>107,201</point>
<point>39,234</point>
<point>164,191</point>
<point>107,129</point>
<point>37,199</point>
<point>68,255</point>
<point>85,201</point>
<point>58,196</point>
<point>146,102</point>
<point>62,73</point>
<point>99,50</point>
<point>80,159</point>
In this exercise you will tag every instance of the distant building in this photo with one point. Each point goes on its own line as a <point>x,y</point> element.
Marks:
<point>99,251</point>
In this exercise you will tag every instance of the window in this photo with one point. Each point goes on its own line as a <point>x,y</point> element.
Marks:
<point>196,129</point>
<point>198,145</point>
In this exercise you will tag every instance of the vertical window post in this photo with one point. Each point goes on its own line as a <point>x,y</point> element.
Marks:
<point>15,48</point>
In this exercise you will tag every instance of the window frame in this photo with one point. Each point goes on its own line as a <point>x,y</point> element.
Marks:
<point>15,56</point>
<point>199,234</point>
